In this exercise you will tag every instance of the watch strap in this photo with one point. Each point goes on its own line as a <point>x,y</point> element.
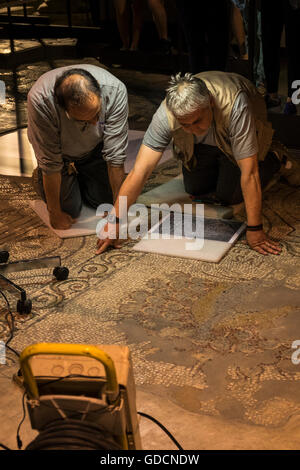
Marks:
<point>254,228</point>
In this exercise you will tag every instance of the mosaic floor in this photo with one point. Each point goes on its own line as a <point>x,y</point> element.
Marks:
<point>215,338</point>
<point>212,342</point>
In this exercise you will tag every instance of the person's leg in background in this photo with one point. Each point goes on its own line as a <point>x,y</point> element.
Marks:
<point>292,35</point>
<point>259,72</point>
<point>137,7</point>
<point>95,11</point>
<point>123,21</point>
<point>217,29</point>
<point>159,14</point>
<point>272,20</point>
<point>239,31</point>
<point>191,15</point>
<point>258,64</point>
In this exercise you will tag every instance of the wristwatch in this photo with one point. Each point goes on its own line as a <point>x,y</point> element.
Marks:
<point>113,219</point>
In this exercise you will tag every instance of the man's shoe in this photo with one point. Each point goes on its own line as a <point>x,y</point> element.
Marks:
<point>165,47</point>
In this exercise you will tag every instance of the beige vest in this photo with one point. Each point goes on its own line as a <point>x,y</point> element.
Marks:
<point>224,88</point>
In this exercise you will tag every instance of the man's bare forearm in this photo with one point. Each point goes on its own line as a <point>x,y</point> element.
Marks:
<point>116,176</point>
<point>131,189</point>
<point>58,219</point>
<point>146,161</point>
<point>52,184</point>
<point>251,189</point>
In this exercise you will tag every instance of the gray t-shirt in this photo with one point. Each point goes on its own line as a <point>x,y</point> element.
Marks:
<point>55,137</point>
<point>241,132</point>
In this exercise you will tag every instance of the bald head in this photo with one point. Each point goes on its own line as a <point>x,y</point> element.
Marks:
<point>76,87</point>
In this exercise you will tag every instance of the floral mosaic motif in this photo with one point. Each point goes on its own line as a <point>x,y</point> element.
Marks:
<point>147,371</point>
<point>166,303</point>
<point>245,383</point>
<point>274,412</point>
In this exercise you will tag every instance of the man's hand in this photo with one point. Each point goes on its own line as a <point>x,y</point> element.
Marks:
<point>61,220</point>
<point>109,236</point>
<point>259,241</point>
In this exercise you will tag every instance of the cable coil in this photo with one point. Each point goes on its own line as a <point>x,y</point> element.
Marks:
<point>72,434</point>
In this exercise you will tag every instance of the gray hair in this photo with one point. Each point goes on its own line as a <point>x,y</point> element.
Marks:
<point>185,94</point>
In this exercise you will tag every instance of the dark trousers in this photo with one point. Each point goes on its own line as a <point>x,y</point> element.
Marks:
<point>90,185</point>
<point>275,14</point>
<point>214,172</point>
<point>95,11</point>
<point>205,26</point>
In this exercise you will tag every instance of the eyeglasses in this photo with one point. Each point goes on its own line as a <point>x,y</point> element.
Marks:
<point>97,116</point>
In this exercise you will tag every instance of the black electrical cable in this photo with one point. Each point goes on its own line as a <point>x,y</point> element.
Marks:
<point>11,327</point>
<point>4,447</point>
<point>70,434</point>
<point>19,442</point>
<point>62,431</point>
<point>70,376</point>
<point>162,427</point>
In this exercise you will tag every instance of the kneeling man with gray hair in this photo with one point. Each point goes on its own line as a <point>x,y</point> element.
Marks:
<point>218,124</point>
